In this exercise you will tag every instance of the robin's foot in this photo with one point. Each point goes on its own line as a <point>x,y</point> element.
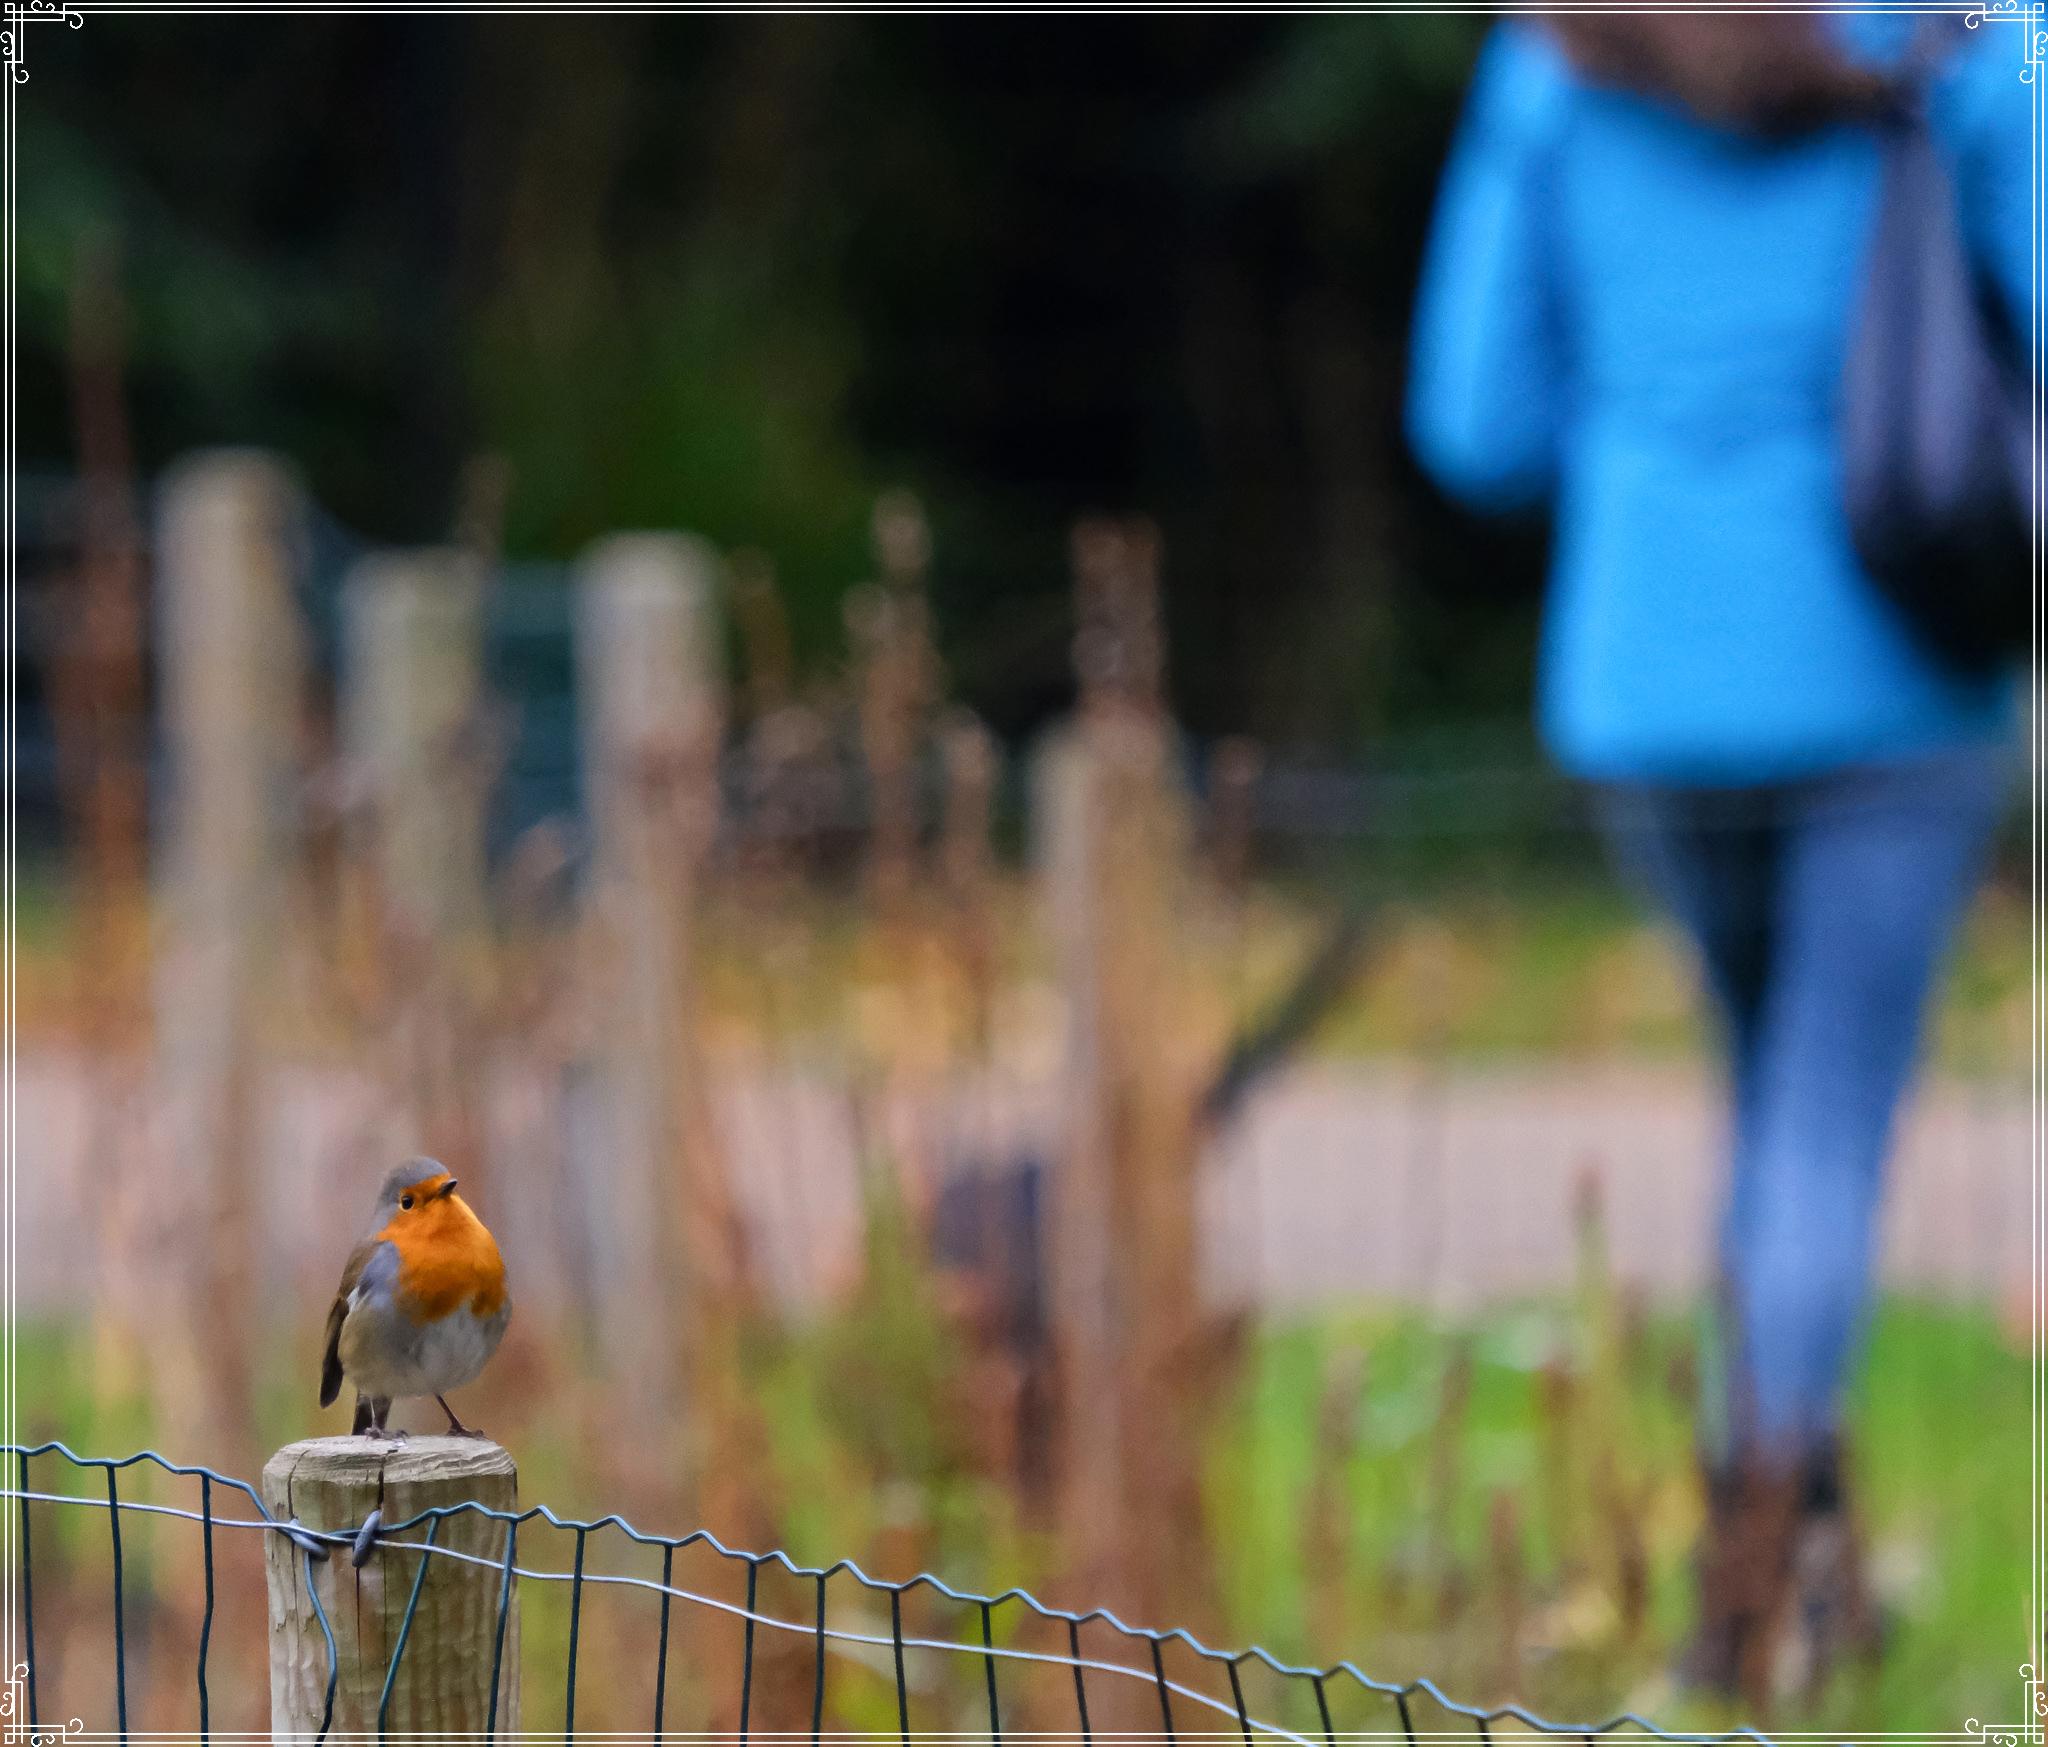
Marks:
<point>456,1429</point>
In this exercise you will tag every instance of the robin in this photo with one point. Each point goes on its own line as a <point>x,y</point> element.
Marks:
<point>422,1304</point>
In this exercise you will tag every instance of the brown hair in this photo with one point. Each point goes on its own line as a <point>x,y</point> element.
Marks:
<point>1767,73</point>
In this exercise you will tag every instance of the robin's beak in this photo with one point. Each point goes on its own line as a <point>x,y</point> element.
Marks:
<point>446,1189</point>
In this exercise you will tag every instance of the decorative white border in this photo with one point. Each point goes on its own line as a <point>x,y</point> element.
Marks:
<point>14,39</point>
<point>19,14</point>
<point>14,1723</point>
<point>2013,1734</point>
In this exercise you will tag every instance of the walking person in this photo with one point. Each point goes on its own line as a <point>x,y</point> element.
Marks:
<point>1635,310</point>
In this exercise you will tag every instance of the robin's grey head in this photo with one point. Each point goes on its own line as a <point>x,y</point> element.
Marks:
<point>416,1181</point>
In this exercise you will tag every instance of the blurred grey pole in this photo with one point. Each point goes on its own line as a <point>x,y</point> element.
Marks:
<point>412,728</point>
<point>232,663</point>
<point>651,699</point>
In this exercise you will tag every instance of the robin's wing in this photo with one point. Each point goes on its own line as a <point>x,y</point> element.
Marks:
<point>330,1357</point>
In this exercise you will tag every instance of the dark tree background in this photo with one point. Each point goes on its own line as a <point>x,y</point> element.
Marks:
<point>738,274</point>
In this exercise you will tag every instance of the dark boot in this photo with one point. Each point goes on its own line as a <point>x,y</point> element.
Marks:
<point>1745,1580</point>
<point>1833,1619</point>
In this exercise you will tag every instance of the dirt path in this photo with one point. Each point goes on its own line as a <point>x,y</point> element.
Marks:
<point>1340,1182</point>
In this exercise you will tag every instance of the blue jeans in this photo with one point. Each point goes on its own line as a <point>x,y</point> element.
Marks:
<point>1819,910</point>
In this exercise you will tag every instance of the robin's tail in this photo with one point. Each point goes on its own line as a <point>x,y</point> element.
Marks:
<point>330,1354</point>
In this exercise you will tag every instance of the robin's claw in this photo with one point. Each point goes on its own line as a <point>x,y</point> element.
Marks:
<point>456,1429</point>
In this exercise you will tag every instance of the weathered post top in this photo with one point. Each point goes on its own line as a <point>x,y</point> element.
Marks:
<point>448,1652</point>
<point>388,1467</point>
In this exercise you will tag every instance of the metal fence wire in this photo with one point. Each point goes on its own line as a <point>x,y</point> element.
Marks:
<point>1228,1720</point>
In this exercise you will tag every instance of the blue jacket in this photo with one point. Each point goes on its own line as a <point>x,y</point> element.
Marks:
<point>1641,321</point>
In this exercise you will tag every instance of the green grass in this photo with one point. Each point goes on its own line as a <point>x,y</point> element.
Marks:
<point>1939,1430</point>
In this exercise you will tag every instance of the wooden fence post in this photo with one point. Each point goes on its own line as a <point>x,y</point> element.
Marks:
<point>1136,1347</point>
<point>443,1686</point>
<point>415,739</point>
<point>231,664</point>
<point>650,684</point>
<point>888,626</point>
<point>412,731</point>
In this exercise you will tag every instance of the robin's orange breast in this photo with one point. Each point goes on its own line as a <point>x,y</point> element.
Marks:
<point>448,1263</point>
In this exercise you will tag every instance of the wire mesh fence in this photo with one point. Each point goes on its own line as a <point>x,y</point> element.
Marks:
<point>1243,1695</point>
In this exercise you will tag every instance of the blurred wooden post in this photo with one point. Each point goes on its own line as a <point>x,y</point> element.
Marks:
<point>443,1689</point>
<point>97,673</point>
<point>412,651</point>
<point>98,694</point>
<point>650,683</point>
<point>888,626</point>
<point>967,863</point>
<point>231,670</point>
<point>414,741</point>
<point>1081,1255</point>
<point>1112,833</point>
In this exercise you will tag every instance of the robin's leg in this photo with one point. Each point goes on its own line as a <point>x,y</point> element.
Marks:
<point>456,1429</point>
<point>364,1419</point>
<point>380,1412</point>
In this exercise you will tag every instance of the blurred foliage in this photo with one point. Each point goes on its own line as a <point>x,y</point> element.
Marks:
<point>739,274</point>
<point>1470,971</point>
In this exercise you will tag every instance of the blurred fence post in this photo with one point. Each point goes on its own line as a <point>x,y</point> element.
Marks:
<point>452,1644</point>
<point>231,673</point>
<point>412,727</point>
<point>97,680</point>
<point>651,690</point>
<point>1065,819</point>
<point>1112,839</point>
<point>414,739</point>
<point>888,625</point>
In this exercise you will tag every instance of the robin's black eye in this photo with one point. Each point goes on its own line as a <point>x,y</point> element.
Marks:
<point>405,1201</point>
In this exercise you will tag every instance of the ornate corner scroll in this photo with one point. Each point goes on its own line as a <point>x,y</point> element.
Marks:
<point>20,14</point>
<point>14,1723</point>
<point>2032,1730</point>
